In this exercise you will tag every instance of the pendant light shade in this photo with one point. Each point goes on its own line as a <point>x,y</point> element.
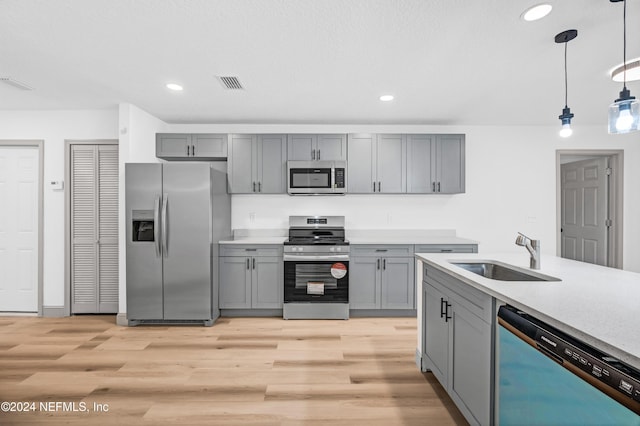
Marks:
<point>624,112</point>
<point>566,116</point>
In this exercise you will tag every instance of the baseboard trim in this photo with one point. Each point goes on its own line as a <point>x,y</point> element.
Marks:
<point>383,313</point>
<point>121,319</point>
<point>53,311</point>
<point>251,313</point>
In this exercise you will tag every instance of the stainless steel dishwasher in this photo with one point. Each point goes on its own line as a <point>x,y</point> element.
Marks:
<point>547,377</point>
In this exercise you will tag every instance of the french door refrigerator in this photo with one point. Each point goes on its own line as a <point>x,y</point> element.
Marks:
<point>175,214</point>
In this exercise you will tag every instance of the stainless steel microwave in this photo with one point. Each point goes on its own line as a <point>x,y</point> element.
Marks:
<point>316,177</point>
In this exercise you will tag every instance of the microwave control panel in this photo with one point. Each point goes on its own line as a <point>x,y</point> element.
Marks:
<point>339,182</point>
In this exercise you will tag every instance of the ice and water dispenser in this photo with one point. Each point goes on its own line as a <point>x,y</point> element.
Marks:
<point>143,225</point>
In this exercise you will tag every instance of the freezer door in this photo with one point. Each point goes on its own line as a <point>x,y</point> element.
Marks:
<point>187,257</point>
<point>143,186</point>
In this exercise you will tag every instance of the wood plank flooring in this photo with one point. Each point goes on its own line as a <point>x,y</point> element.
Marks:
<point>241,371</point>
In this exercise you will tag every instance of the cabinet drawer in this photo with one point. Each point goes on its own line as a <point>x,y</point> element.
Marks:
<point>250,250</point>
<point>390,250</point>
<point>446,248</point>
<point>477,302</point>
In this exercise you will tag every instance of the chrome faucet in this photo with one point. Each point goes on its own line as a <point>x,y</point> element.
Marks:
<point>534,249</point>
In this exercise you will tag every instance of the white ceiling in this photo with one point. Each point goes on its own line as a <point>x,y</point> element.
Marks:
<point>317,61</point>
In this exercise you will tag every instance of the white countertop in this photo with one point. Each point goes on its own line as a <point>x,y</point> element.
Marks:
<point>356,236</point>
<point>382,239</point>
<point>595,304</point>
<point>255,240</point>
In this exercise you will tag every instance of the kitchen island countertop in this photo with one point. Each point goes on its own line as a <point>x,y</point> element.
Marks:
<point>596,304</point>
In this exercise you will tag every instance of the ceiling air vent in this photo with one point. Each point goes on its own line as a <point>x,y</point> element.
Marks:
<point>230,82</point>
<point>15,83</point>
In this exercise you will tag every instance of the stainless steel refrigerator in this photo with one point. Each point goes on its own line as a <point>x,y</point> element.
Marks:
<point>175,215</point>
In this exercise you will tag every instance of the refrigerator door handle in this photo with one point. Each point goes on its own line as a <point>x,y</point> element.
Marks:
<point>156,225</point>
<point>165,200</point>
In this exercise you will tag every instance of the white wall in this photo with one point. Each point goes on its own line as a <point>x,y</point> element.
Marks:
<point>54,127</point>
<point>137,144</point>
<point>510,187</point>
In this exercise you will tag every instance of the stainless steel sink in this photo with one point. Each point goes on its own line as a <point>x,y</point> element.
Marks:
<point>501,271</point>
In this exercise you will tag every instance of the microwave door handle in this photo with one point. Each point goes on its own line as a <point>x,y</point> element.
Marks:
<point>156,224</point>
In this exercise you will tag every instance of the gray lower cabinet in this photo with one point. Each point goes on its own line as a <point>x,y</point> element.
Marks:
<point>458,342</point>
<point>257,164</point>
<point>382,277</point>
<point>251,277</point>
<point>309,147</point>
<point>196,146</point>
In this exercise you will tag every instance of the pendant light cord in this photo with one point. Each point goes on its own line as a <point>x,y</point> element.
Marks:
<point>566,84</point>
<point>624,43</point>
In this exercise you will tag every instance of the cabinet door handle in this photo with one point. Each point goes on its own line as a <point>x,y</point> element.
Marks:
<point>193,150</point>
<point>384,264</point>
<point>374,187</point>
<point>442,303</point>
<point>379,190</point>
<point>248,263</point>
<point>259,186</point>
<point>318,154</point>
<point>313,154</point>
<point>378,263</point>
<point>188,147</point>
<point>433,186</point>
<point>254,187</point>
<point>446,250</point>
<point>381,250</point>
<point>447,317</point>
<point>253,262</point>
<point>438,186</point>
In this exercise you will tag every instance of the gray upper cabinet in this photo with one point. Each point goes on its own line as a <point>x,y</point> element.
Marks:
<point>317,147</point>
<point>257,164</point>
<point>198,146</point>
<point>391,163</point>
<point>450,164</point>
<point>377,163</point>
<point>361,169</point>
<point>435,164</point>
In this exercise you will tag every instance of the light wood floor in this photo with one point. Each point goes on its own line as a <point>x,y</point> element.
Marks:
<point>241,371</point>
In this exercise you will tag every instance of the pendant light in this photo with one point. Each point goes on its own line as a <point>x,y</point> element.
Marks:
<point>624,112</point>
<point>566,116</point>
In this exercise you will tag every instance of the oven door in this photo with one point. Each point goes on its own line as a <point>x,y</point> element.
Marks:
<point>310,279</point>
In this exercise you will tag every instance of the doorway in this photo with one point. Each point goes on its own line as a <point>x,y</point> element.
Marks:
<point>21,166</point>
<point>589,206</point>
<point>92,226</point>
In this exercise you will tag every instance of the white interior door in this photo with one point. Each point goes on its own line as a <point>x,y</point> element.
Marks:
<point>19,188</point>
<point>584,190</point>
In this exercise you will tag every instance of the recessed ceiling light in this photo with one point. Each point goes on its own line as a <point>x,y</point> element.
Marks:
<point>174,86</point>
<point>536,12</point>
<point>386,98</point>
<point>633,71</point>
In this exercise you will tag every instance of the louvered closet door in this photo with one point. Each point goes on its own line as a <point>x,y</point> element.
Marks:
<point>94,228</point>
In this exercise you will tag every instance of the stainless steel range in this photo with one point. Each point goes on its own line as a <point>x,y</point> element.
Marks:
<point>316,269</point>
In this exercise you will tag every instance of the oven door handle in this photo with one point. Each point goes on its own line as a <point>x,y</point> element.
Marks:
<point>308,258</point>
